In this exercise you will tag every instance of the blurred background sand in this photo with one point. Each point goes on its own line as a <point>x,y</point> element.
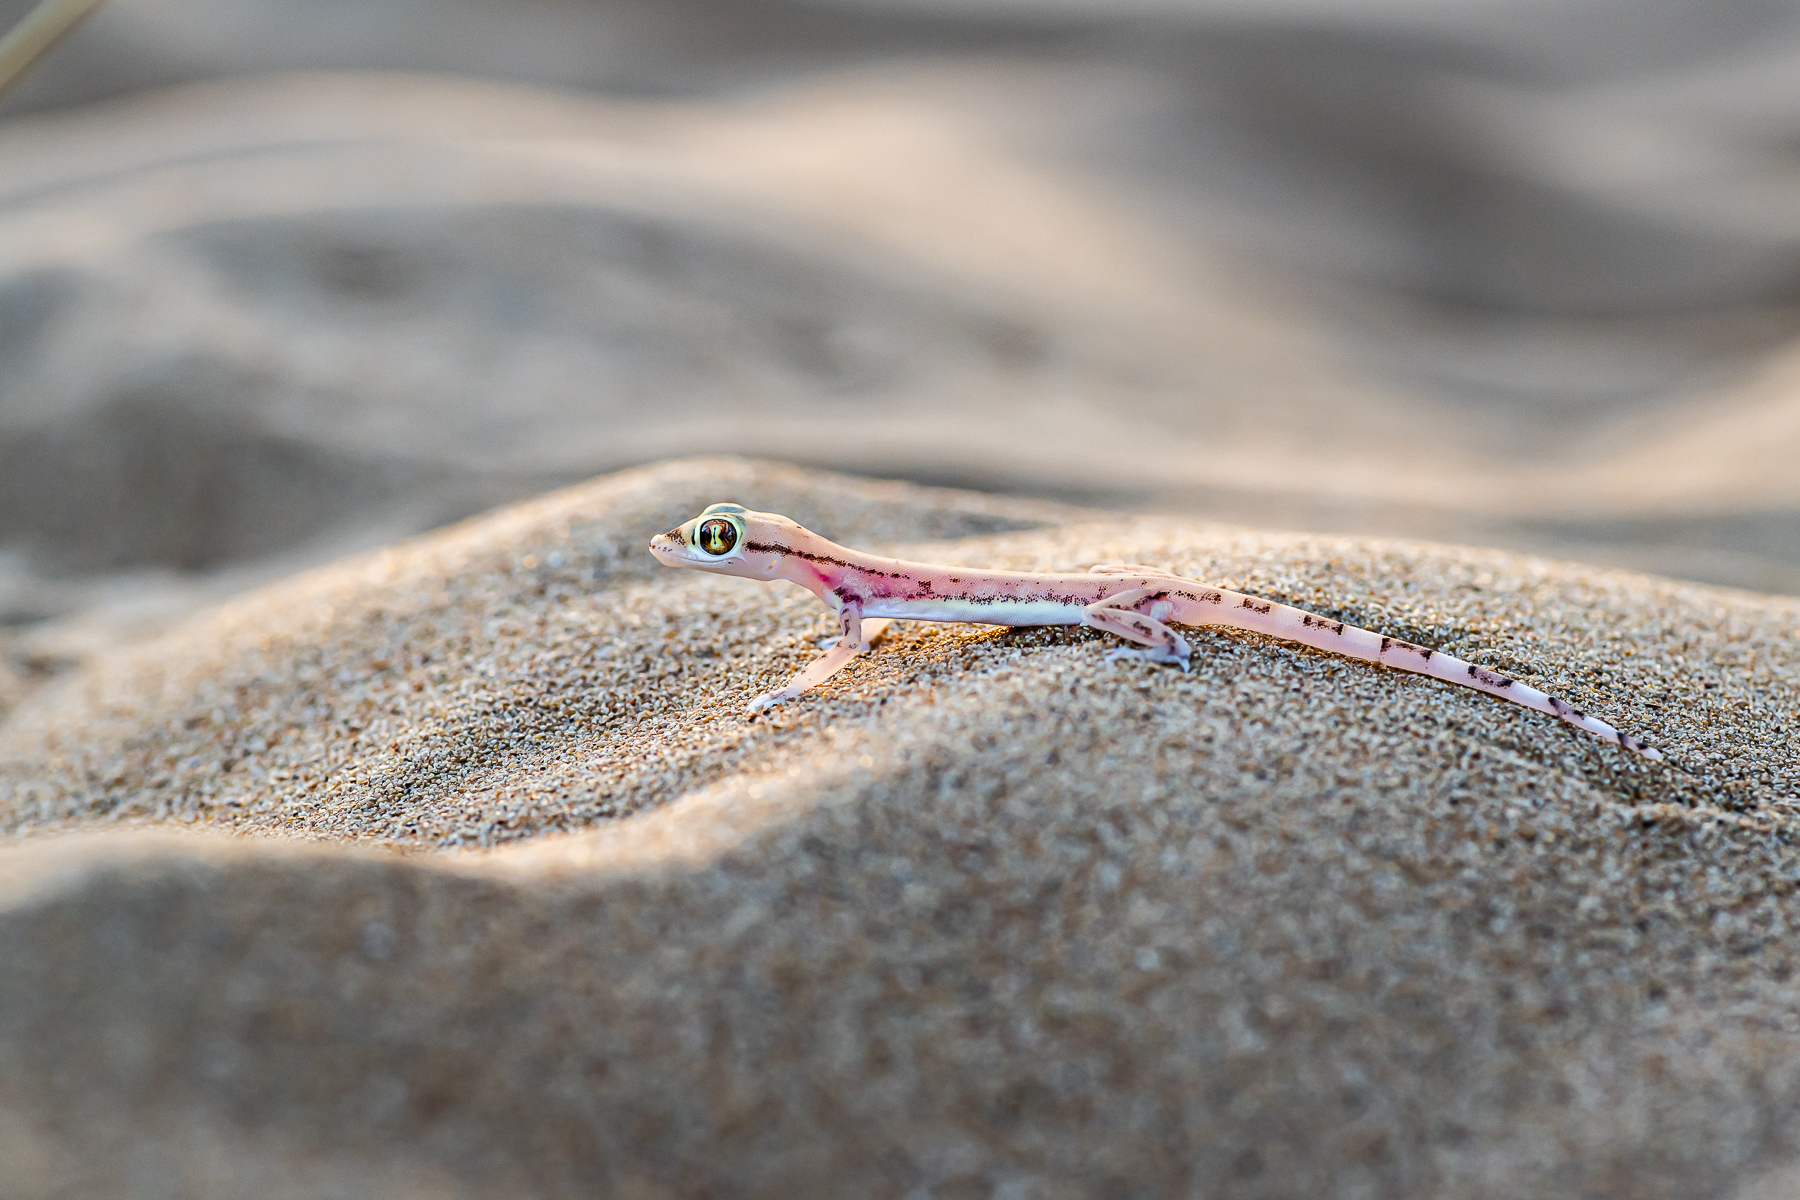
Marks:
<point>282,279</point>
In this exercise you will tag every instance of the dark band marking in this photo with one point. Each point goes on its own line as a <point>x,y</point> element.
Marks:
<point>1491,679</point>
<point>1253,606</point>
<point>809,556</point>
<point>1394,643</point>
<point>674,535</point>
<point>1565,710</point>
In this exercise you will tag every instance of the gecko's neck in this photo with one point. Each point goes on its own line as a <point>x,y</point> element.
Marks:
<point>819,564</point>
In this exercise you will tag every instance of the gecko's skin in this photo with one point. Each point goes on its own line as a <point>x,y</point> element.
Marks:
<point>1139,604</point>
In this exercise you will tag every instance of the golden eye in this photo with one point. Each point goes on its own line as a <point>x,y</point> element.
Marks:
<point>716,536</point>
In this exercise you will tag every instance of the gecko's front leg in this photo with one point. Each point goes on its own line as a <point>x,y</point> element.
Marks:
<point>850,643</point>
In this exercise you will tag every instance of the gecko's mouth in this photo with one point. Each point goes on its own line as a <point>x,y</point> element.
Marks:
<point>671,551</point>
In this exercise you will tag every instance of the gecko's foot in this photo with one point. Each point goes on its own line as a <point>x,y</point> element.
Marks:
<point>1156,641</point>
<point>810,676</point>
<point>765,702</point>
<point>1155,654</point>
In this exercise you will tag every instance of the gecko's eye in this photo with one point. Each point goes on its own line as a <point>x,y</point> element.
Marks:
<point>716,536</point>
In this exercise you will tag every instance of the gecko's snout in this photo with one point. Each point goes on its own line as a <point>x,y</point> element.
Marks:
<point>667,548</point>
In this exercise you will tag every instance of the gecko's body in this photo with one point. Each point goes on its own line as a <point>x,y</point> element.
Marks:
<point>1139,604</point>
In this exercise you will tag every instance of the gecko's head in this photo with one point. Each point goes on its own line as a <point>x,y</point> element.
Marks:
<point>729,539</point>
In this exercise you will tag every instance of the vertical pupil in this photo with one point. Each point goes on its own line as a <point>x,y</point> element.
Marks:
<point>717,537</point>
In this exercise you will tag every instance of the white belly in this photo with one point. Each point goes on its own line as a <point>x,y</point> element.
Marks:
<point>1000,612</point>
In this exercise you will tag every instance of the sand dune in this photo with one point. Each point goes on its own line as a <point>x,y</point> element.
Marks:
<point>984,915</point>
<point>343,857</point>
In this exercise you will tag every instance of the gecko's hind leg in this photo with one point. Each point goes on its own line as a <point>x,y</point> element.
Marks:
<point>1156,641</point>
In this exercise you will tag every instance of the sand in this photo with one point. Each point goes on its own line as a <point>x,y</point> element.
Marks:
<point>535,910</point>
<point>339,857</point>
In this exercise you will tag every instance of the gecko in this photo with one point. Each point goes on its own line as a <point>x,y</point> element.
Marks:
<point>1137,603</point>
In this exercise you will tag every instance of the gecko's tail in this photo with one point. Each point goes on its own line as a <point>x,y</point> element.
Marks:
<point>1237,611</point>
